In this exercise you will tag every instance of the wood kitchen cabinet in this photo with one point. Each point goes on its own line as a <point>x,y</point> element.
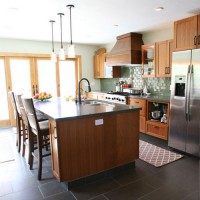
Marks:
<point>140,103</point>
<point>163,57</point>
<point>148,60</point>
<point>155,127</point>
<point>101,70</point>
<point>187,33</point>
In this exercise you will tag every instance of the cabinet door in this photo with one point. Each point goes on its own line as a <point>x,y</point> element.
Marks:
<point>161,58</point>
<point>198,37</point>
<point>142,124</point>
<point>164,58</point>
<point>185,33</point>
<point>140,103</point>
<point>96,67</point>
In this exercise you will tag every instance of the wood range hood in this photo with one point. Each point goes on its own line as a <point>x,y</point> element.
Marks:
<point>127,50</point>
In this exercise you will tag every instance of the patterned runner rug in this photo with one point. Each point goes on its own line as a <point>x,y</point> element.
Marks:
<point>155,155</point>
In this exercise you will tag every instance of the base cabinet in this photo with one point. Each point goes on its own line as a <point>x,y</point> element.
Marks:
<point>140,103</point>
<point>82,147</point>
<point>157,129</point>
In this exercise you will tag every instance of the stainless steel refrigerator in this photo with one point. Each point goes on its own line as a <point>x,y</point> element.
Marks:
<point>184,126</point>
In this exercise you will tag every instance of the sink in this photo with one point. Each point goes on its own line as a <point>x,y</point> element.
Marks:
<point>96,103</point>
<point>92,102</point>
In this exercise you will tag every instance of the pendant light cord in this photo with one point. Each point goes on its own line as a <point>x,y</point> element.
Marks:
<point>52,21</point>
<point>70,17</point>
<point>61,14</point>
<point>70,24</point>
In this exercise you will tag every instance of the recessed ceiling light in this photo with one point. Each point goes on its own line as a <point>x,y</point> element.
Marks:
<point>115,25</point>
<point>159,8</point>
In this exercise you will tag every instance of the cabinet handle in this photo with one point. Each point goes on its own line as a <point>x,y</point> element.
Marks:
<point>195,40</point>
<point>137,102</point>
<point>155,126</point>
<point>55,133</point>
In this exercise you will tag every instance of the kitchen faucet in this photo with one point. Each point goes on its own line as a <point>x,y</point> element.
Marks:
<point>79,88</point>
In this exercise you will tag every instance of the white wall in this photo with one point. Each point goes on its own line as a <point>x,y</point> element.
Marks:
<point>39,47</point>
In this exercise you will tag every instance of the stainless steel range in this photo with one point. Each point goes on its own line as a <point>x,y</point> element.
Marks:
<point>117,97</point>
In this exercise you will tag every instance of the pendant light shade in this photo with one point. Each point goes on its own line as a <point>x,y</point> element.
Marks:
<point>71,47</point>
<point>62,51</point>
<point>53,54</point>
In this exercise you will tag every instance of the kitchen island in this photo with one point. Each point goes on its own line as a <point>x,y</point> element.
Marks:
<point>91,137</point>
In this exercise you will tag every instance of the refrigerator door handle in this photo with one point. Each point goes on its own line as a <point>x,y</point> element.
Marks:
<point>188,101</point>
<point>186,94</point>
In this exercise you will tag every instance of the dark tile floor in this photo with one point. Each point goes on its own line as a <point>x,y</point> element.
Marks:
<point>176,181</point>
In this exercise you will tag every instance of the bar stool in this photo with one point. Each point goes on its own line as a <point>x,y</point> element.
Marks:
<point>41,130</point>
<point>18,119</point>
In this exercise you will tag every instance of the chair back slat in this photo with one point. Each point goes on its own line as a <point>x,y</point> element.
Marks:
<point>31,114</point>
<point>20,104</point>
<point>13,102</point>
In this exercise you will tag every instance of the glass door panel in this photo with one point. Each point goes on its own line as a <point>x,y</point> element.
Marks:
<point>20,76</point>
<point>4,113</point>
<point>47,77</point>
<point>67,75</point>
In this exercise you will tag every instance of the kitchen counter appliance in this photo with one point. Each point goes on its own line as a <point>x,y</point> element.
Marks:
<point>184,128</point>
<point>117,97</point>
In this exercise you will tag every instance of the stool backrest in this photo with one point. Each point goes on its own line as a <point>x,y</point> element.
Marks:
<point>13,102</point>
<point>30,113</point>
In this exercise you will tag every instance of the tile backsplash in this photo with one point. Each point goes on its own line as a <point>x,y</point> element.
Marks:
<point>133,75</point>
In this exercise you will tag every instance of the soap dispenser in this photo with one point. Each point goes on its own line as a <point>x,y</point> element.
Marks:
<point>145,89</point>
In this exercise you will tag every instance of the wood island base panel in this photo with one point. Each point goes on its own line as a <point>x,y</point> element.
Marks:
<point>90,145</point>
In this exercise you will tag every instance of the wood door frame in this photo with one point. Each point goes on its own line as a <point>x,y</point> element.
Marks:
<point>6,56</point>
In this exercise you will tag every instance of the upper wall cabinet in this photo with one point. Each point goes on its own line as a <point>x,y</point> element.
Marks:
<point>101,70</point>
<point>99,60</point>
<point>148,60</point>
<point>187,33</point>
<point>163,58</point>
<point>157,59</point>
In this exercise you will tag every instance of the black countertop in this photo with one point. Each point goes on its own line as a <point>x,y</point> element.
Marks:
<point>59,109</point>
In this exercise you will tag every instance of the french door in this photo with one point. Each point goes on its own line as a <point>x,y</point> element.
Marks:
<point>30,75</point>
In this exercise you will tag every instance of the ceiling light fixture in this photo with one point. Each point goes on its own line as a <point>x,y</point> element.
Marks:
<point>159,8</point>
<point>71,47</point>
<point>62,51</point>
<point>53,54</point>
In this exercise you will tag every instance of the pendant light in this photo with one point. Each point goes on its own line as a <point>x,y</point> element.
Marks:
<point>53,54</point>
<point>71,47</point>
<point>62,51</point>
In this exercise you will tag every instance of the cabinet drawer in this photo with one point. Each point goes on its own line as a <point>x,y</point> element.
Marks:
<point>138,102</point>
<point>157,130</point>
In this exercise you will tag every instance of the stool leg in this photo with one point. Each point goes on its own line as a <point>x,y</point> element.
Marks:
<point>40,141</point>
<point>24,139</point>
<point>18,123</point>
<point>31,148</point>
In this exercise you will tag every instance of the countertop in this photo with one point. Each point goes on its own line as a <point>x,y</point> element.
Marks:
<point>160,98</point>
<point>59,109</point>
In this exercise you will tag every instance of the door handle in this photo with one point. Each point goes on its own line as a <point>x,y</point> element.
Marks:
<point>186,94</point>
<point>33,90</point>
<point>190,78</point>
<point>195,40</point>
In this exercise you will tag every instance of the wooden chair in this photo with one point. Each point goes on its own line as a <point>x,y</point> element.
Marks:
<point>41,130</point>
<point>27,136</point>
<point>18,119</point>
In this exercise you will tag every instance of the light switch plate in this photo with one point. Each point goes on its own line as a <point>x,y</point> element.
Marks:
<point>98,122</point>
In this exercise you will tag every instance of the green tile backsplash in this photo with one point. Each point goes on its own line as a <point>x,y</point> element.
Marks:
<point>159,86</point>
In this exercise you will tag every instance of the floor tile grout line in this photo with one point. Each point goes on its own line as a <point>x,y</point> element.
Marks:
<point>73,194</point>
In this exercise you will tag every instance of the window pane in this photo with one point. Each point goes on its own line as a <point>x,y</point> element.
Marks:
<point>3,93</point>
<point>47,76</point>
<point>20,76</point>
<point>67,78</point>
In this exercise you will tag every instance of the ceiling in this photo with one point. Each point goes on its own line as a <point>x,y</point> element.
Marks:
<point>93,21</point>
